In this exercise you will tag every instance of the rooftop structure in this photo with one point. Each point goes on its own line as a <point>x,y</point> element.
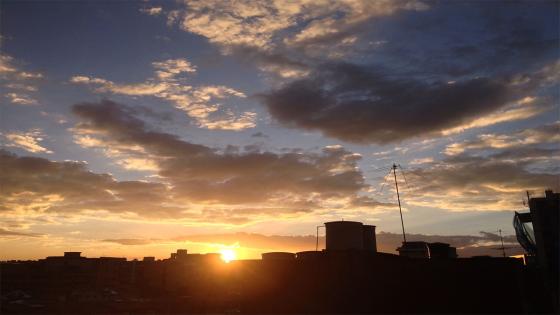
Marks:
<point>350,235</point>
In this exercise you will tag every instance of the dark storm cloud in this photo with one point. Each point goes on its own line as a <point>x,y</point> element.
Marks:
<point>352,103</point>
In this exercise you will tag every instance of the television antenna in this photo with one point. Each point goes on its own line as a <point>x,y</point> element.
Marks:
<point>394,168</point>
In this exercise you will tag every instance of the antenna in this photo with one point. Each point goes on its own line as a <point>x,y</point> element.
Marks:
<point>502,239</point>
<point>399,199</point>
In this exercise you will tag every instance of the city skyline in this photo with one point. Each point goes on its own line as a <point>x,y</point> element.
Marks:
<point>136,128</point>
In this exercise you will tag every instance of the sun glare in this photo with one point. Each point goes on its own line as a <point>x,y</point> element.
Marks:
<point>227,255</point>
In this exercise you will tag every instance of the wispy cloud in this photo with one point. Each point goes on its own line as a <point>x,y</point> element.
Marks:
<point>549,133</point>
<point>21,99</point>
<point>202,103</point>
<point>28,141</point>
<point>18,82</point>
<point>152,10</point>
<point>8,234</point>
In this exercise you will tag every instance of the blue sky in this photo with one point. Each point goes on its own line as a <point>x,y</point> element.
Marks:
<point>269,117</point>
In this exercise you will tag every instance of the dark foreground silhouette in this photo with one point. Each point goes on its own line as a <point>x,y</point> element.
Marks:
<point>325,282</point>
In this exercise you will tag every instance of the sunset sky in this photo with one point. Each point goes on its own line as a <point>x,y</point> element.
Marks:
<point>133,128</point>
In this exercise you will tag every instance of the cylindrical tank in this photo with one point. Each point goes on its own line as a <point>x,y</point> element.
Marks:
<point>278,256</point>
<point>370,242</point>
<point>344,235</point>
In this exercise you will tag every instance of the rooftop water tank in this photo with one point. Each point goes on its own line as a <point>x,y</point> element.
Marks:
<point>344,235</point>
<point>370,242</point>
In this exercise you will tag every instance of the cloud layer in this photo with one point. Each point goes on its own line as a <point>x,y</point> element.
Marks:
<point>386,71</point>
<point>194,182</point>
<point>491,172</point>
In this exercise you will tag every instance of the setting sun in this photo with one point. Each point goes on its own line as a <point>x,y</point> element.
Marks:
<point>227,255</point>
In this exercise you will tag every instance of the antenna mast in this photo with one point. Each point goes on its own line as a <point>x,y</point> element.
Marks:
<point>502,239</point>
<point>399,199</point>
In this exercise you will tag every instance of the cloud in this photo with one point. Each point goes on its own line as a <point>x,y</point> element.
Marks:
<point>496,181</point>
<point>28,141</point>
<point>22,87</point>
<point>352,103</point>
<point>520,110</point>
<point>490,172</point>
<point>128,241</point>
<point>549,133</point>
<point>7,233</point>
<point>152,10</point>
<point>6,65</point>
<point>170,68</point>
<point>257,24</point>
<point>195,183</point>
<point>21,99</point>
<point>202,103</point>
<point>19,83</point>
<point>36,185</point>
<point>385,71</point>
<point>234,177</point>
<point>421,161</point>
<point>259,135</point>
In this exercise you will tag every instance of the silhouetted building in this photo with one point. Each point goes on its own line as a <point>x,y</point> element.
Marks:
<point>72,254</point>
<point>369,239</point>
<point>350,235</point>
<point>180,254</point>
<point>309,255</point>
<point>442,251</point>
<point>278,256</point>
<point>349,281</point>
<point>348,277</point>
<point>542,240</point>
<point>414,250</point>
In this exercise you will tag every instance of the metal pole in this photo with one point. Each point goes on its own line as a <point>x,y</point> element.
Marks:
<point>502,239</point>
<point>399,199</point>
